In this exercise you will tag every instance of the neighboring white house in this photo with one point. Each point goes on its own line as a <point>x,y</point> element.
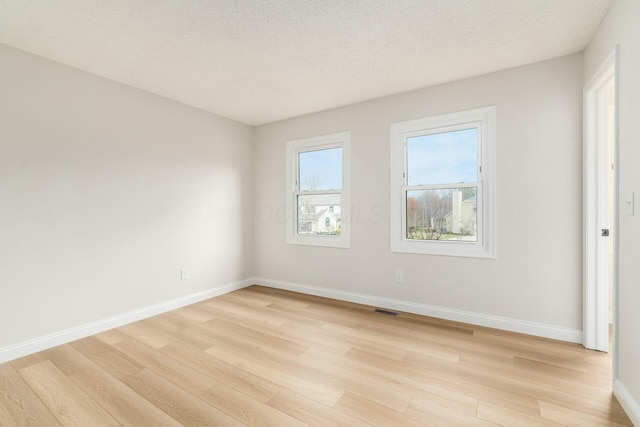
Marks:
<point>462,219</point>
<point>319,219</point>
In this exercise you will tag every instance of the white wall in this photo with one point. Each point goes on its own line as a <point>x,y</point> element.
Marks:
<point>620,27</point>
<point>537,274</point>
<point>106,192</point>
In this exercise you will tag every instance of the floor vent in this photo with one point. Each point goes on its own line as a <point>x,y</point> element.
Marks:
<point>387,312</point>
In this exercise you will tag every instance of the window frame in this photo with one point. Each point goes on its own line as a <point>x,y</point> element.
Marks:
<point>484,120</point>
<point>293,149</point>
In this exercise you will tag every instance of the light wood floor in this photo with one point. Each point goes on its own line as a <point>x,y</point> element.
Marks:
<point>260,356</point>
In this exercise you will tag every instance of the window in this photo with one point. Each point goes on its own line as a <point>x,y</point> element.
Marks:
<point>442,184</point>
<point>318,190</point>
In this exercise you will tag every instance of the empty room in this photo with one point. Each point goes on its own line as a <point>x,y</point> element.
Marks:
<point>319,213</point>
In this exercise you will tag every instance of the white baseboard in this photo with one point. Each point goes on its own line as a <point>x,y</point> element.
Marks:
<point>504,323</point>
<point>628,403</point>
<point>58,338</point>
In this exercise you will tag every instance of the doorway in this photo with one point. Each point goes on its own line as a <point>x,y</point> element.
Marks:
<point>600,206</point>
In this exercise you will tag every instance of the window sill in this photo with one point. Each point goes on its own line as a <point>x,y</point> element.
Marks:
<point>321,241</point>
<point>468,250</point>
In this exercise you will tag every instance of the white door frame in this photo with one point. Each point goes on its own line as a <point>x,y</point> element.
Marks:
<point>596,199</point>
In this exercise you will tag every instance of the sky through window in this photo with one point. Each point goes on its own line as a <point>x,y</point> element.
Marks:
<point>442,158</point>
<point>320,169</point>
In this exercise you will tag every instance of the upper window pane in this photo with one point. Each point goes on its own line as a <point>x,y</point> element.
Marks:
<point>320,170</point>
<point>442,158</point>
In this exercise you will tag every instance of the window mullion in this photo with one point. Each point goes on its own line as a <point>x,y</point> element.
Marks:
<point>442,186</point>
<point>318,192</point>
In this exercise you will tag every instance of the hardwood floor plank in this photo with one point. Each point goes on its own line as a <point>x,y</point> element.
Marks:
<point>337,378</point>
<point>68,359</point>
<point>111,337</point>
<point>68,402</point>
<point>125,405</point>
<point>19,405</point>
<point>250,297</point>
<point>598,407</point>
<point>382,339</point>
<point>374,414</point>
<point>179,374</point>
<point>284,316</point>
<point>344,377</point>
<point>353,342</point>
<point>595,400</point>
<point>255,295</point>
<point>279,374</point>
<point>321,315</point>
<point>428,411</point>
<point>384,378</point>
<point>248,411</point>
<point>244,340</point>
<point>146,334</point>
<point>246,310</point>
<point>449,376</point>
<point>180,330</point>
<point>108,358</point>
<point>571,418</point>
<point>226,329</point>
<point>180,405</point>
<point>307,335</point>
<point>196,313</point>
<point>516,343</point>
<point>558,371</point>
<point>29,360</point>
<point>282,295</point>
<point>508,417</point>
<point>311,412</point>
<point>245,382</point>
<point>506,367</point>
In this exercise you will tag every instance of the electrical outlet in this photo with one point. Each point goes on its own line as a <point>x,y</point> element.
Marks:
<point>399,276</point>
<point>184,274</point>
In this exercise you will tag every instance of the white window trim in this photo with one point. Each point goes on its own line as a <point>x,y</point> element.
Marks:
<point>486,245</point>
<point>293,148</point>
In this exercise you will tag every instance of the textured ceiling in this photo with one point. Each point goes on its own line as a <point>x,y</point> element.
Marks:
<point>259,61</point>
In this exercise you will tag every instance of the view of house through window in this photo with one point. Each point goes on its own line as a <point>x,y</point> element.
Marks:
<point>319,183</point>
<point>442,186</point>
<point>318,190</point>
<point>315,215</point>
<point>445,215</point>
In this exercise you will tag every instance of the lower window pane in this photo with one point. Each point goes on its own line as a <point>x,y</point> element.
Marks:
<point>319,214</point>
<point>448,214</point>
